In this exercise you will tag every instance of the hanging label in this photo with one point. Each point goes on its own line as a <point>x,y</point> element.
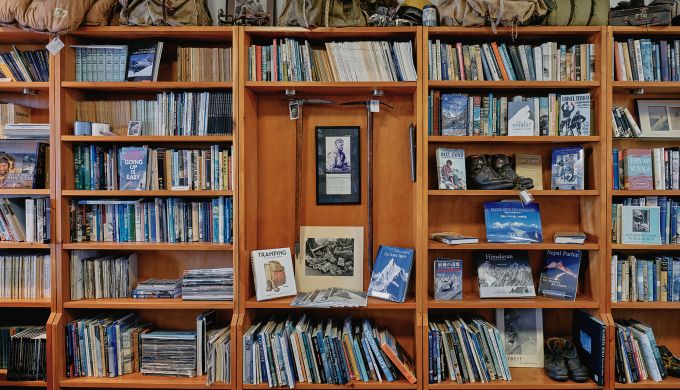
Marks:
<point>294,110</point>
<point>374,105</point>
<point>55,46</point>
<point>526,197</point>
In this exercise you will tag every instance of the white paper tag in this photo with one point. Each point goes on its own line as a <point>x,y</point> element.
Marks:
<point>526,197</point>
<point>293,110</point>
<point>374,105</point>
<point>55,46</point>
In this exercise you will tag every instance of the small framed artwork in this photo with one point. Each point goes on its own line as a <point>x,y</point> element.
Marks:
<point>659,118</point>
<point>338,178</point>
<point>134,128</point>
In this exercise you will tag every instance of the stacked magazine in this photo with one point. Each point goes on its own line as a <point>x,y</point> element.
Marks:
<point>216,284</point>
<point>158,288</point>
<point>166,352</point>
<point>330,297</point>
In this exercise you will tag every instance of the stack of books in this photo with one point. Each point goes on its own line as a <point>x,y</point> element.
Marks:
<point>624,124</point>
<point>648,277</point>
<point>28,355</point>
<point>203,64</point>
<point>646,169</point>
<point>95,276</point>
<point>25,276</point>
<point>637,354</point>
<point>169,353</point>
<point>25,219</point>
<point>215,284</point>
<point>26,66</point>
<point>11,113</point>
<point>647,220</point>
<point>152,220</point>
<point>291,60</point>
<point>549,61</point>
<point>101,167</point>
<point>354,351</point>
<point>27,131</point>
<point>646,60</point>
<point>218,356</point>
<point>158,288</point>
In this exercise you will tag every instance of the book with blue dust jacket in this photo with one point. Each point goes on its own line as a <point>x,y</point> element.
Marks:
<point>448,279</point>
<point>559,278</point>
<point>132,162</point>
<point>512,222</point>
<point>640,225</point>
<point>454,113</point>
<point>568,168</point>
<point>391,273</point>
<point>504,274</point>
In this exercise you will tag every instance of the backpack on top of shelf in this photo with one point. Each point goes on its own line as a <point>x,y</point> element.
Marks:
<point>165,13</point>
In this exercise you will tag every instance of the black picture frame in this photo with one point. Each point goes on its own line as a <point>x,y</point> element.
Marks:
<point>342,179</point>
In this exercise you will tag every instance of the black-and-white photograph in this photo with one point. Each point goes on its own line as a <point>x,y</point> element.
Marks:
<point>329,257</point>
<point>338,155</point>
<point>674,117</point>
<point>522,332</point>
<point>504,275</point>
<point>134,128</point>
<point>658,118</point>
<point>338,178</point>
<point>567,169</point>
<point>641,221</point>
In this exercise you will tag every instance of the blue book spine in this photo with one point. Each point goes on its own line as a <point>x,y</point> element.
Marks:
<point>615,159</point>
<point>662,219</point>
<point>378,355</point>
<point>669,281</point>
<point>485,67</point>
<point>619,280</point>
<point>647,59</point>
<point>324,357</point>
<point>503,50</point>
<point>674,226</point>
<point>651,281</point>
<point>443,49</point>
<point>657,58</point>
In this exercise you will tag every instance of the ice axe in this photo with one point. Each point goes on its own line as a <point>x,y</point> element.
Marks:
<point>371,106</point>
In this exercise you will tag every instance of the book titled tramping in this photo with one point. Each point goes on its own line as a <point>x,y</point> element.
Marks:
<point>559,278</point>
<point>504,274</point>
<point>512,222</point>
<point>391,273</point>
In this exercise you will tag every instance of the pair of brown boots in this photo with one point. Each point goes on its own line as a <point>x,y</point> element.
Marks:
<point>494,172</point>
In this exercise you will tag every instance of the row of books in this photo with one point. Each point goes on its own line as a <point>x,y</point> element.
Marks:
<point>646,169</point>
<point>24,352</point>
<point>181,113</point>
<point>25,219</point>
<point>142,168</point>
<point>139,62</point>
<point>624,124</point>
<point>460,115</point>
<point>549,61</point>
<point>152,220</point>
<point>96,276</point>
<point>646,60</point>
<point>645,278</point>
<point>283,353</point>
<point>637,354</point>
<point>646,220</point>
<point>25,276</point>
<point>204,64</point>
<point>26,66</point>
<point>292,60</point>
<point>25,164</point>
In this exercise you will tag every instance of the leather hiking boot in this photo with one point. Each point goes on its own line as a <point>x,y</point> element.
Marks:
<point>670,362</point>
<point>500,163</point>
<point>481,176</point>
<point>555,366</point>
<point>577,371</point>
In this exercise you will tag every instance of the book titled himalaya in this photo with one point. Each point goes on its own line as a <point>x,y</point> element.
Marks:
<point>504,274</point>
<point>638,172</point>
<point>448,279</point>
<point>143,61</point>
<point>521,118</point>
<point>132,161</point>
<point>567,168</point>
<point>391,273</point>
<point>454,114</point>
<point>23,164</point>
<point>512,222</point>
<point>640,225</point>
<point>559,278</point>
<point>451,169</point>
<point>575,114</point>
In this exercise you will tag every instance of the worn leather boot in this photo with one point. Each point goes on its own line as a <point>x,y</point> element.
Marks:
<point>555,366</point>
<point>481,176</point>
<point>578,372</point>
<point>670,362</point>
<point>500,163</point>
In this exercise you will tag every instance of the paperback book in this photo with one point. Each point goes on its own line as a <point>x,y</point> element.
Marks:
<point>637,167</point>
<point>512,221</point>
<point>522,334</point>
<point>575,115</point>
<point>454,115</point>
<point>452,238</point>
<point>521,118</point>
<point>23,164</point>
<point>530,166</point>
<point>568,168</point>
<point>448,279</point>
<point>132,169</point>
<point>640,225</point>
<point>391,273</point>
<point>504,274</point>
<point>273,273</point>
<point>451,169</point>
<point>143,61</point>
<point>559,278</point>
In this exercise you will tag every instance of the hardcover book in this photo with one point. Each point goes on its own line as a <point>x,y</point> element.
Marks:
<point>143,61</point>
<point>273,273</point>
<point>521,118</point>
<point>448,279</point>
<point>589,338</point>
<point>575,115</point>
<point>638,173</point>
<point>512,222</point>
<point>391,273</point>
<point>522,334</point>
<point>559,278</point>
<point>530,166</point>
<point>451,169</point>
<point>452,238</point>
<point>640,225</point>
<point>504,274</point>
<point>454,113</point>
<point>23,164</point>
<point>132,162</point>
<point>568,168</point>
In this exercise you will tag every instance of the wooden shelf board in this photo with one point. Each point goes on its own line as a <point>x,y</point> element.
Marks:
<point>672,247</point>
<point>148,138</point>
<point>329,33</point>
<point>150,246</point>
<point>471,300</point>
<point>339,88</point>
<point>25,191</point>
<point>161,304</point>
<point>219,33</point>
<point>646,305</point>
<point>14,86</point>
<point>648,86</point>
<point>83,193</point>
<point>668,383</point>
<point>6,383</point>
<point>486,84</point>
<point>522,379</point>
<point>143,86</point>
<point>7,302</point>
<point>398,384</point>
<point>645,30</point>
<point>137,380</point>
<point>373,303</point>
<point>645,192</point>
<point>483,245</point>
<point>23,245</point>
<point>511,193</point>
<point>524,31</point>
<point>508,139</point>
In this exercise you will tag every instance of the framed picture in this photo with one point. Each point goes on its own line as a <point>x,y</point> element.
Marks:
<point>134,128</point>
<point>330,256</point>
<point>338,178</point>
<point>659,118</point>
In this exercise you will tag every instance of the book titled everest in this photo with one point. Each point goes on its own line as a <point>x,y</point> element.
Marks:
<point>567,168</point>
<point>575,115</point>
<point>559,278</point>
<point>454,111</point>
<point>521,118</point>
<point>132,162</point>
<point>511,221</point>
<point>273,273</point>
<point>522,334</point>
<point>448,279</point>
<point>640,225</point>
<point>637,166</point>
<point>391,273</point>
<point>143,61</point>
<point>504,274</point>
<point>451,169</point>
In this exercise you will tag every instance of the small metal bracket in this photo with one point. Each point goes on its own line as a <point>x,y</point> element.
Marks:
<point>637,91</point>
<point>377,92</point>
<point>290,92</point>
<point>29,91</point>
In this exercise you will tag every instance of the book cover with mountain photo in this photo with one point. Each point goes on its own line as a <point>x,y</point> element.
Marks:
<point>391,273</point>
<point>512,222</point>
<point>504,274</point>
<point>559,278</point>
